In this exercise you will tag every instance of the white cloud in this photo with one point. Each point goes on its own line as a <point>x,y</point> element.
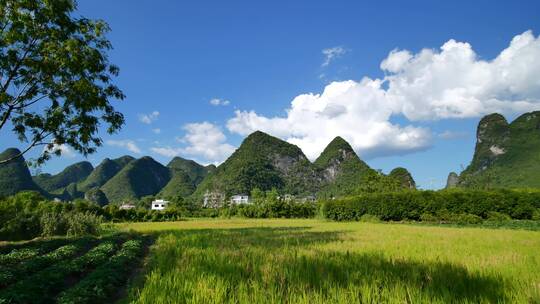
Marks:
<point>64,149</point>
<point>149,118</point>
<point>219,102</point>
<point>128,144</point>
<point>167,151</point>
<point>332,53</point>
<point>203,141</point>
<point>156,130</point>
<point>208,141</point>
<point>433,84</point>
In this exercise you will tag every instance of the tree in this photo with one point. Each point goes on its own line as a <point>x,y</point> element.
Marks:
<point>55,77</point>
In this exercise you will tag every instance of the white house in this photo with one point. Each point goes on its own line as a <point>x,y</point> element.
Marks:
<point>239,199</point>
<point>159,204</point>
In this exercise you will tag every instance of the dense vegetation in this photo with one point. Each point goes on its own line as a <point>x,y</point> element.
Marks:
<point>506,155</point>
<point>71,174</point>
<point>447,206</point>
<point>140,177</point>
<point>78,270</point>
<point>15,176</point>
<point>262,162</point>
<point>104,172</point>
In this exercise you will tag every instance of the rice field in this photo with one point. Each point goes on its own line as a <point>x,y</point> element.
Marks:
<point>316,261</point>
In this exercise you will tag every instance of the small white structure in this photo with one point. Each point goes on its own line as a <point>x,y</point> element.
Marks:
<point>159,204</point>
<point>239,199</point>
<point>126,206</point>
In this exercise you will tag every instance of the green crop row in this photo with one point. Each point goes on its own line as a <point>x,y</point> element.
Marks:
<point>43,286</point>
<point>16,253</point>
<point>14,273</point>
<point>99,285</point>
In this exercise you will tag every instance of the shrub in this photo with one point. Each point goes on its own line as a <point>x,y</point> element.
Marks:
<point>86,223</point>
<point>495,216</point>
<point>466,218</point>
<point>368,218</point>
<point>434,205</point>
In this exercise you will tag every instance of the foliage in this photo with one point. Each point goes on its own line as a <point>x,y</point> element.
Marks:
<point>56,78</point>
<point>264,162</point>
<point>104,171</point>
<point>453,206</point>
<point>140,177</point>
<point>404,177</point>
<point>15,176</point>
<point>104,281</point>
<point>28,215</point>
<point>515,162</point>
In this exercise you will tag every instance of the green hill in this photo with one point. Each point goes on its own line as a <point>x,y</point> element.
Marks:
<point>140,177</point>
<point>104,172</point>
<point>265,162</point>
<point>185,176</point>
<point>506,155</point>
<point>404,177</point>
<point>71,174</point>
<point>14,175</point>
<point>341,169</point>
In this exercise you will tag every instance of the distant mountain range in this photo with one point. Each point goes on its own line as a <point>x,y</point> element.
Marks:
<point>506,155</point>
<point>262,161</point>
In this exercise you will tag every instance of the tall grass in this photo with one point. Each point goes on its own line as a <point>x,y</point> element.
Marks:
<point>310,261</point>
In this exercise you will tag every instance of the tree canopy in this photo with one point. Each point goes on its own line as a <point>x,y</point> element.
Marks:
<point>56,82</point>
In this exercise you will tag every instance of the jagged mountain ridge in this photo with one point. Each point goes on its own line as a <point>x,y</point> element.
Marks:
<point>262,161</point>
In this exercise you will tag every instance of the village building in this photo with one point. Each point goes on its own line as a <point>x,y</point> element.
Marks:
<point>159,204</point>
<point>213,199</point>
<point>240,199</point>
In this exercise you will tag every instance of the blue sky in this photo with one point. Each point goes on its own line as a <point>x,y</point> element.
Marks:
<point>200,75</point>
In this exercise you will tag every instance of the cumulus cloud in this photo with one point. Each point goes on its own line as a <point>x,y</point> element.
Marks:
<point>64,149</point>
<point>332,53</point>
<point>128,144</point>
<point>203,140</point>
<point>156,130</point>
<point>449,83</point>
<point>219,102</point>
<point>149,118</point>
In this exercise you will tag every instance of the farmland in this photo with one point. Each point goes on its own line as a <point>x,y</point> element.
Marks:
<point>275,261</point>
<point>314,261</point>
<point>76,270</point>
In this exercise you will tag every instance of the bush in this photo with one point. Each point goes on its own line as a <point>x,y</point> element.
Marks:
<point>466,218</point>
<point>495,216</point>
<point>368,218</point>
<point>435,205</point>
<point>536,215</point>
<point>80,224</point>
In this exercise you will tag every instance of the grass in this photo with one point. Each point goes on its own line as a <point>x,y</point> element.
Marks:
<point>313,261</point>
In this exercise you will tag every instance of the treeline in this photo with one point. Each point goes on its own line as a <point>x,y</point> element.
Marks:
<point>27,215</point>
<point>442,206</point>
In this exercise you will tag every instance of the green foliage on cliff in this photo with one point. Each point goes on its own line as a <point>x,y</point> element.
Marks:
<point>14,175</point>
<point>264,162</point>
<point>71,174</point>
<point>104,172</point>
<point>506,155</point>
<point>139,178</point>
